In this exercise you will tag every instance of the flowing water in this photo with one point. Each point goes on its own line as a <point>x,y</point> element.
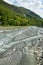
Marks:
<point>16,45</point>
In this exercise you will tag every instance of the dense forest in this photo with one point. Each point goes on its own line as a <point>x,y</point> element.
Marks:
<point>11,15</point>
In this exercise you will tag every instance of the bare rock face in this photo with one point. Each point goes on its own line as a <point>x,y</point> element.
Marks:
<point>21,46</point>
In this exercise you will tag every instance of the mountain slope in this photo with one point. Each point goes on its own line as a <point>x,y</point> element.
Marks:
<point>21,10</point>
<point>13,15</point>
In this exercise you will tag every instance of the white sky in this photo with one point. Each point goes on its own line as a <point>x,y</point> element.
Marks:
<point>34,5</point>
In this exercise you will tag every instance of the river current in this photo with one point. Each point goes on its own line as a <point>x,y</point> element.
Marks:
<point>16,45</point>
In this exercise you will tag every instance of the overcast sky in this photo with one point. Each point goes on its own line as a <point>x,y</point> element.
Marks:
<point>34,5</point>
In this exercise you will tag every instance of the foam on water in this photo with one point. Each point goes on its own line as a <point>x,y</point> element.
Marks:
<point>6,38</point>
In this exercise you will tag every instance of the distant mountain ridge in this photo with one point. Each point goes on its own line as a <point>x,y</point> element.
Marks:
<point>18,15</point>
<point>21,10</point>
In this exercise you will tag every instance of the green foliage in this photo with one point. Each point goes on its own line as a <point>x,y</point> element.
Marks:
<point>17,16</point>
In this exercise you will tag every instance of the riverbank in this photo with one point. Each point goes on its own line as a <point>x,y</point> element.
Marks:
<point>12,27</point>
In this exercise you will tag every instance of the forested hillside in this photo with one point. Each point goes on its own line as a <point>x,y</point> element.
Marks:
<point>17,16</point>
